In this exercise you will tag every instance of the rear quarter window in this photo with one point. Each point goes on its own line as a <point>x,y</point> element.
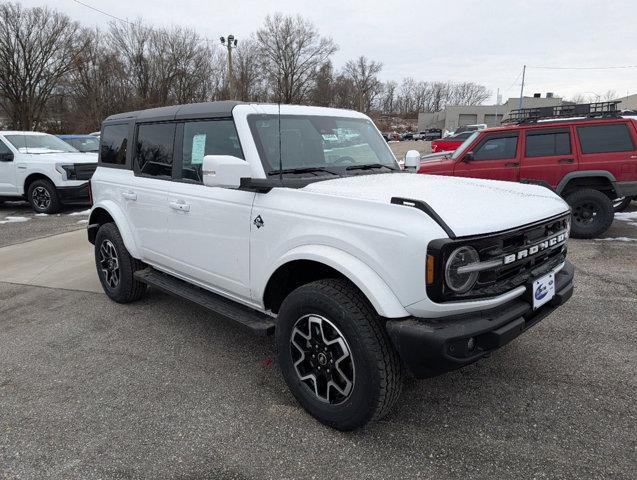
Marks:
<point>605,138</point>
<point>113,144</point>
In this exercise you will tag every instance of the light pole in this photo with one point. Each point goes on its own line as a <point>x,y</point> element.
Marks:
<point>230,43</point>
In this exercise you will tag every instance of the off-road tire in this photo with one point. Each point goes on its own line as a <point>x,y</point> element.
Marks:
<point>583,200</point>
<point>128,289</point>
<point>377,373</point>
<point>42,185</point>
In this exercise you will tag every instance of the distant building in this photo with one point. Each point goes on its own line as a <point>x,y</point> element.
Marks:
<point>628,103</point>
<point>454,116</point>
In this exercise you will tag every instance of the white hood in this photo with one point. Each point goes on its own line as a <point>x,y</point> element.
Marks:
<point>72,157</point>
<point>469,206</point>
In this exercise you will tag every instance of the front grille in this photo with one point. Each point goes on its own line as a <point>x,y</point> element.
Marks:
<point>84,171</point>
<point>501,279</point>
<point>505,276</point>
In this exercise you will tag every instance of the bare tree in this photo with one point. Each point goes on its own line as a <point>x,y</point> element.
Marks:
<point>292,51</point>
<point>468,93</point>
<point>97,87</point>
<point>388,101</point>
<point>247,74</point>
<point>38,47</point>
<point>322,94</point>
<point>363,74</point>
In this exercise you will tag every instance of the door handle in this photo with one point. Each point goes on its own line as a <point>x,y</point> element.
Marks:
<point>512,164</point>
<point>129,195</point>
<point>633,156</point>
<point>566,160</point>
<point>181,206</point>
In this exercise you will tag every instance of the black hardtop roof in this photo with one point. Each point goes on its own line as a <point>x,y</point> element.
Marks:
<point>177,112</point>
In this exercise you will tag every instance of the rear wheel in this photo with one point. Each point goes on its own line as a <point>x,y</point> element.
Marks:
<point>43,197</point>
<point>592,213</point>
<point>116,267</point>
<point>335,355</point>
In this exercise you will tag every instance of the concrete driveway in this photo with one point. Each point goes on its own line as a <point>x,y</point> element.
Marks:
<point>62,261</point>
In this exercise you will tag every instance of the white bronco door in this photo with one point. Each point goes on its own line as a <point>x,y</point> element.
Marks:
<point>148,198</point>
<point>209,227</point>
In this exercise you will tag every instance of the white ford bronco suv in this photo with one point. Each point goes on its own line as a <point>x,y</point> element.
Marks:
<point>45,170</point>
<point>298,221</point>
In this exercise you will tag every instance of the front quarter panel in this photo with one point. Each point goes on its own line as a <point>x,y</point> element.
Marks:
<point>379,247</point>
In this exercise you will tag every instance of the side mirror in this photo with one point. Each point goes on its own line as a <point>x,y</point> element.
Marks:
<point>224,171</point>
<point>468,157</point>
<point>6,157</point>
<point>412,160</point>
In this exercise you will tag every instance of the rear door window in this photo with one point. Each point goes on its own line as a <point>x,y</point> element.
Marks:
<point>547,143</point>
<point>113,144</point>
<point>605,138</point>
<point>154,149</point>
<point>497,148</point>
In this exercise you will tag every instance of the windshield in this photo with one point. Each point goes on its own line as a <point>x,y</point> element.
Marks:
<point>315,145</point>
<point>460,150</point>
<point>84,144</point>
<point>26,143</point>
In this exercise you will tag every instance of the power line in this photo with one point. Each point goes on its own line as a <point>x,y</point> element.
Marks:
<point>102,12</point>
<point>513,82</point>
<point>583,68</point>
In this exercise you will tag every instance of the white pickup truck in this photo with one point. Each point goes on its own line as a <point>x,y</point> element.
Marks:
<point>265,216</point>
<point>43,169</point>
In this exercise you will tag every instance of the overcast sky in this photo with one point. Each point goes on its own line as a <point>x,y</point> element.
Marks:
<point>481,41</point>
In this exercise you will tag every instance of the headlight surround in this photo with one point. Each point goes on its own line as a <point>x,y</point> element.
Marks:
<point>460,257</point>
<point>68,170</point>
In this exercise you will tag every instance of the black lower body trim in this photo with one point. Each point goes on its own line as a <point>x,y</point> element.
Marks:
<point>431,347</point>
<point>76,195</point>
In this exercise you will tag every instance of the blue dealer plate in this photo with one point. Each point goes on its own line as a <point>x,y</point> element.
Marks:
<point>543,290</point>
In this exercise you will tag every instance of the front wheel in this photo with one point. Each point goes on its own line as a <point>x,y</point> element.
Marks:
<point>592,213</point>
<point>43,197</point>
<point>335,355</point>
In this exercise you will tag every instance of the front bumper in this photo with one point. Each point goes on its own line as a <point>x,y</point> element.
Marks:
<point>74,194</point>
<point>431,347</point>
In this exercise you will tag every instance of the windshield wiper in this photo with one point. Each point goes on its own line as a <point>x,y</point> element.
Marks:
<point>369,166</point>
<point>302,170</point>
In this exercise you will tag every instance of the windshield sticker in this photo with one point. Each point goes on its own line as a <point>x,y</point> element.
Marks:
<point>198,149</point>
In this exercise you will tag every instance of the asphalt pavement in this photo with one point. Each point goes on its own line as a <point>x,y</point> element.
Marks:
<point>162,389</point>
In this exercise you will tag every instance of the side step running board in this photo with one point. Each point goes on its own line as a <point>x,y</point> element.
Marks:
<point>256,322</point>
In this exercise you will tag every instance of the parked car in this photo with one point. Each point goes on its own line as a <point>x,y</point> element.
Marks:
<point>471,128</point>
<point>450,143</point>
<point>83,143</point>
<point>44,170</point>
<point>408,136</point>
<point>360,269</point>
<point>590,162</point>
<point>431,134</point>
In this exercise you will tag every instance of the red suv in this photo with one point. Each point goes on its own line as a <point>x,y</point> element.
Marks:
<point>588,161</point>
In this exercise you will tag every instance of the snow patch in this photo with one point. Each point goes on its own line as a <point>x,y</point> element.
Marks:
<point>618,239</point>
<point>626,216</point>
<point>14,219</point>
<point>41,215</point>
<point>83,212</point>
<point>82,221</point>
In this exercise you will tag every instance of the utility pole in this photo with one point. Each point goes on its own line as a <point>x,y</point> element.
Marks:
<point>497,104</point>
<point>522,89</point>
<point>230,44</point>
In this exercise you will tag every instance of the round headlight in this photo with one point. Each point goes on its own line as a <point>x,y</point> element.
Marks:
<point>460,257</point>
